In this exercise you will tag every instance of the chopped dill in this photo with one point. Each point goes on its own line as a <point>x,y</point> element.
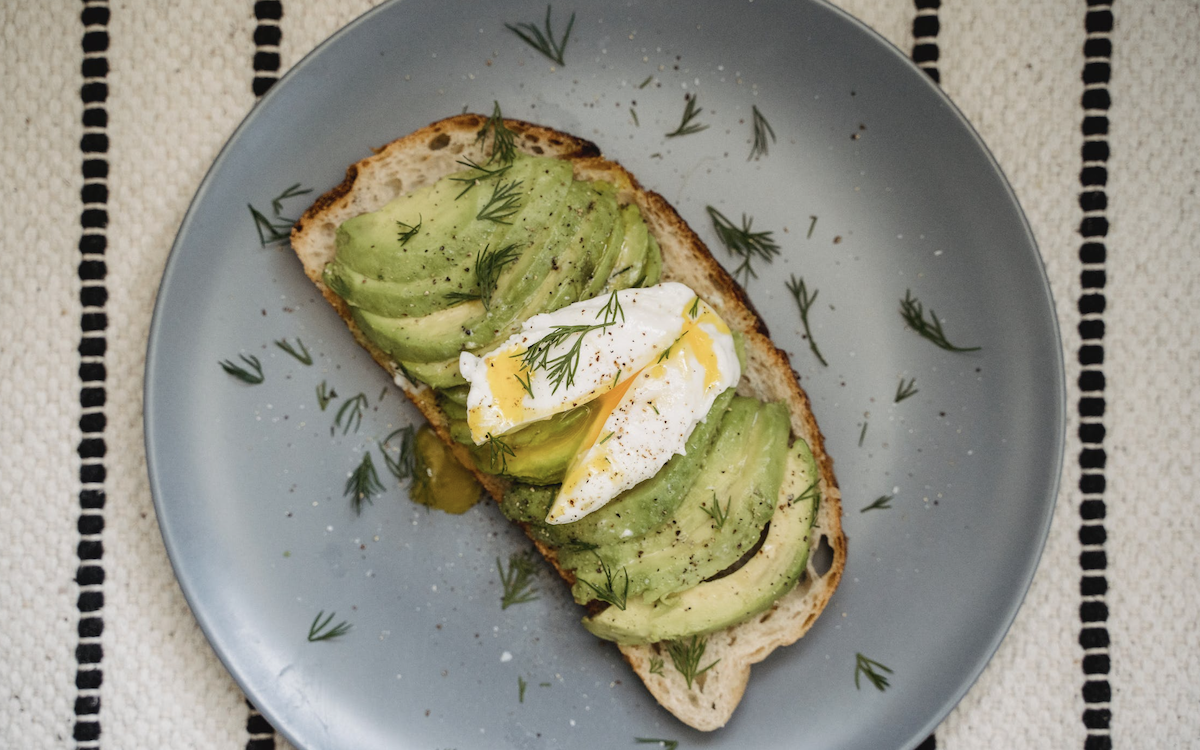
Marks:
<point>686,655</point>
<point>608,591</point>
<point>303,356</point>
<point>743,242</point>
<point>404,465</point>
<point>363,483</point>
<point>317,630</point>
<point>504,203</point>
<point>241,373</point>
<point>351,413</point>
<point>544,42</point>
<point>881,503</point>
<point>484,174</point>
<point>762,129</point>
<point>690,112</point>
<point>498,450</point>
<point>865,666</point>
<point>913,313</point>
<point>903,391</point>
<point>504,141</point>
<point>612,308</point>
<point>408,231</point>
<point>718,515</point>
<point>325,394</point>
<point>560,370</point>
<point>517,583</point>
<point>805,301</point>
<point>812,224</point>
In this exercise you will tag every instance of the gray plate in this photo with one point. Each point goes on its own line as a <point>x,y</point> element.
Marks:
<point>248,480</point>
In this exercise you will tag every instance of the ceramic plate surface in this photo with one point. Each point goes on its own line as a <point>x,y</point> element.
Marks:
<point>875,186</point>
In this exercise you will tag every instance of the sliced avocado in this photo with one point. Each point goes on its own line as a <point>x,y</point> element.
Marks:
<point>614,242</point>
<point>371,244</point>
<point>637,510</point>
<point>715,604</point>
<point>630,263</point>
<point>653,270</point>
<point>541,451</point>
<point>443,374</point>
<point>739,480</point>
<point>545,218</point>
<point>456,395</point>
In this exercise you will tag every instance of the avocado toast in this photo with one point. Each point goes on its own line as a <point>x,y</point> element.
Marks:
<point>449,240</point>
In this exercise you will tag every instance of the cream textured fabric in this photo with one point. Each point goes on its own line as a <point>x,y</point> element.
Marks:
<point>179,80</point>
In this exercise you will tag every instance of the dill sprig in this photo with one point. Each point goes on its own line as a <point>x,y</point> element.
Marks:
<point>667,352</point>
<point>690,112</point>
<point>903,390</point>
<point>292,192</point>
<point>277,229</point>
<point>668,744</point>
<point>718,515</point>
<point>404,465</point>
<point>612,308</point>
<point>656,665</point>
<point>517,583</point>
<point>504,203</point>
<point>488,265</point>
<point>408,231</point>
<point>303,356</point>
<point>269,232</point>
<point>811,492</point>
<point>743,242</point>
<point>686,655</point>
<point>804,301</point>
<point>521,685</point>
<point>484,174</point>
<point>241,373</point>
<point>694,311</point>
<point>881,503</point>
<point>762,129</point>
<point>527,383</point>
<point>913,313</point>
<point>560,370</point>
<point>865,666</point>
<point>504,141</point>
<point>498,450</point>
<point>544,42</point>
<point>363,483</point>
<point>325,394</point>
<point>318,632</point>
<point>608,592</point>
<point>351,413</point>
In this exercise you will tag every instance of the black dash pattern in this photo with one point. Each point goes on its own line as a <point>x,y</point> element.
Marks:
<point>1096,102</point>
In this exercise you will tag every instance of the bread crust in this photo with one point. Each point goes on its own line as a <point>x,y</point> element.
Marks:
<point>430,153</point>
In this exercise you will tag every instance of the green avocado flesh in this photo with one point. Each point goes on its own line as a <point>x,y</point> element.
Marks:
<point>741,472</point>
<point>632,513</point>
<point>715,604</point>
<point>407,294</point>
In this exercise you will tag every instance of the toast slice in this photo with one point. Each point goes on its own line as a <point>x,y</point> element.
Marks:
<point>423,157</point>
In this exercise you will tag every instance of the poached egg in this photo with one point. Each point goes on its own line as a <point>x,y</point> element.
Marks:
<point>653,358</point>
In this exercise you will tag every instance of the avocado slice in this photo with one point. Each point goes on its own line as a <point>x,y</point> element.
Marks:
<point>629,266</point>
<point>741,474</point>
<point>719,603</point>
<point>634,512</point>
